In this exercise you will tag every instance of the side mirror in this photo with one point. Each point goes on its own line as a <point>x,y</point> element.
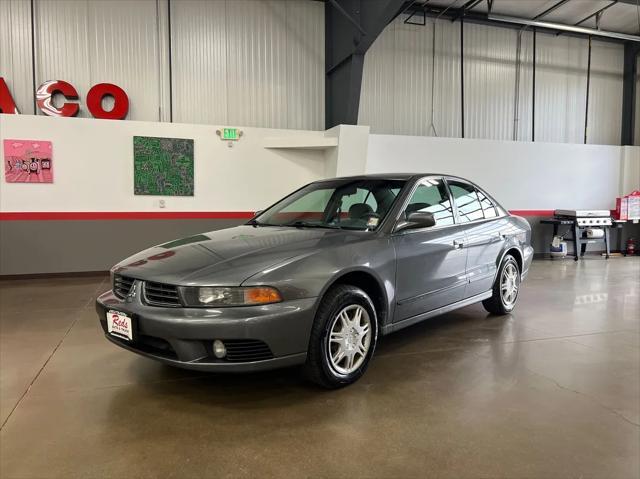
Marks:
<point>259,212</point>
<point>417,219</point>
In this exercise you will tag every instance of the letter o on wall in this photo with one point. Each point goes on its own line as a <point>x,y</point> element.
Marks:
<point>120,106</point>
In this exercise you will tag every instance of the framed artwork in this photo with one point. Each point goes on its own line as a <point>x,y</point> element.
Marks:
<point>162,166</point>
<point>28,161</point>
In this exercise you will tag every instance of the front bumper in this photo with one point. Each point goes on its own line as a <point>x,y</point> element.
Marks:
<point>183,337</point>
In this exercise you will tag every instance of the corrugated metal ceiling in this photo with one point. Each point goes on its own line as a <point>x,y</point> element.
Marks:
<point>622,17</point>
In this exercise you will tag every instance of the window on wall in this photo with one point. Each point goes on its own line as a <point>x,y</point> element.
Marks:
<point>431,196</point>
<point>467,201</point>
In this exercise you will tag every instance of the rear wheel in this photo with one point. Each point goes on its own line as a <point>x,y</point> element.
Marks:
<point>343,337</point>
<point>505,288</point>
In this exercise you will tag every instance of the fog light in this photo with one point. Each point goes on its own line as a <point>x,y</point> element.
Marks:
<point>218,349</point>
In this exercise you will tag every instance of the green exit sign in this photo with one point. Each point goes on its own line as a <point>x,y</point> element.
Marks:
<point>230,134</point>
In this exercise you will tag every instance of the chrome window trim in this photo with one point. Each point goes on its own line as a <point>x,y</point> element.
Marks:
<point>501,211</point>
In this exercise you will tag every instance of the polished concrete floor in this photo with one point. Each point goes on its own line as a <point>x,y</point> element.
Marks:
<point>550,391</point>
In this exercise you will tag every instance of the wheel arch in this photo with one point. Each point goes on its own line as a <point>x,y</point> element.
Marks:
<point>517,255</point>
<point>370,284</point>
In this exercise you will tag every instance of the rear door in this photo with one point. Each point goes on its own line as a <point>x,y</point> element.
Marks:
<point>484,224</point>
<point>430,261</point>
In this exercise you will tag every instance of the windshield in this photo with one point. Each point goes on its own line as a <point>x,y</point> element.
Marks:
<point>344,204</point>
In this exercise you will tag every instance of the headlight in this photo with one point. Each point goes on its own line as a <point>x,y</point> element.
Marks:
<point>214,296</point>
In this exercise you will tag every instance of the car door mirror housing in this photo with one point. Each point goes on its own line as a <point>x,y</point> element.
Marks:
<point>416,219</point>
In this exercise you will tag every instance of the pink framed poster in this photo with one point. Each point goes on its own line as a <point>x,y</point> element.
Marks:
<point>28,161</point>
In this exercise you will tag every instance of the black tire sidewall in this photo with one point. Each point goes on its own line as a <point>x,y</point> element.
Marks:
<point>352,296</point>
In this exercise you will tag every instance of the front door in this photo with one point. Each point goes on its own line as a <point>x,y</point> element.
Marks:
<point>485,229</point>
<point>431,262</point>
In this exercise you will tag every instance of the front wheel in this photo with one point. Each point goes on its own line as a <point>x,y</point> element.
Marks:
<point>505,288</point>
<point>343,337</point>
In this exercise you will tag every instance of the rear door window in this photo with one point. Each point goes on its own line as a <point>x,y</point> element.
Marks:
<point>487,205</point>
<point>467,201</point>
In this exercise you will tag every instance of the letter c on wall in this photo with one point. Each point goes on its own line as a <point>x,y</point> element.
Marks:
<point>44,98</point>
<point>120,106</point>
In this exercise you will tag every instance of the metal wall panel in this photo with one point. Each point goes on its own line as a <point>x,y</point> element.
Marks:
<point>397,80</point>
<point>249,62</point>
<point>305,65</point>
<point>199,61</point>
<point>93,41</point>
<point>605,95</point>
<point>523,115</point>
<point>378,84</point>
<point>561,88</point>
<point>490,78</point>
<point>15,51</point>
<point>245,62</point>
<point>396,98</point>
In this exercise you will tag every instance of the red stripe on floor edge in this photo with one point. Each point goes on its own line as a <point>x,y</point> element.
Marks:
<point>165,215</point>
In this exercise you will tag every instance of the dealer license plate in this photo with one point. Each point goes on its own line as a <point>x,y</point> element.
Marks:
<point>120,325</point>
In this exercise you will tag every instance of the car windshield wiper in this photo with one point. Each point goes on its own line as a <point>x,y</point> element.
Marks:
<point>304,224</point>
<point>254,222</point>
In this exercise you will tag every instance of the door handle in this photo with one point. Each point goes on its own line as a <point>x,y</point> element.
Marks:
<point>457,244</point>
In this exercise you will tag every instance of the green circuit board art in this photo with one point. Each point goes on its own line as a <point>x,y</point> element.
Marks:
<point>162,166</point>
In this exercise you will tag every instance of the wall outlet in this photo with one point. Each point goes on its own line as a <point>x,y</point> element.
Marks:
<point>162,204</point>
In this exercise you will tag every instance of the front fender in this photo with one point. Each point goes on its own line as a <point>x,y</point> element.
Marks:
<point>312,274</point>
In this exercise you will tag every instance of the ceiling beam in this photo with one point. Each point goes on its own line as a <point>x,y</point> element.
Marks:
<point>564,28</point>
<point>596,13</point>
<point>552,8</point>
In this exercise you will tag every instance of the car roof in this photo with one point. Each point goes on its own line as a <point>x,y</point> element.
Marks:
<point>388,176</point>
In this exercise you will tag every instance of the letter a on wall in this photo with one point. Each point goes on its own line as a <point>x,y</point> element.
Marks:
<point>7,105</point>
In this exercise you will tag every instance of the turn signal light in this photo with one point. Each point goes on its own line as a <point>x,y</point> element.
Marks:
<point>261,295</point>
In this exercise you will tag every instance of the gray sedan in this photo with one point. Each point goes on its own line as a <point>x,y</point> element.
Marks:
<point>319,276</point>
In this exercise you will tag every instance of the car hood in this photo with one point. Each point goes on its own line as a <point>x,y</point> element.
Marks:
<point>230,256</point>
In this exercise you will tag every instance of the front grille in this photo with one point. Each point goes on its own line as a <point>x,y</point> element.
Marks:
<point>243,350</point>
<point>158,294</point>
<point>122,285</point>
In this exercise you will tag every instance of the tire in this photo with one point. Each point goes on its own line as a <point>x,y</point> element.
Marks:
<point>327,339</point>
<point>501,302</point>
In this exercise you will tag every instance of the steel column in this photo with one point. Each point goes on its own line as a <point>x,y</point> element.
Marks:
<point>351,26</point>
<point>533,90</point>
<point>586,105</point>
<point>629,93</point>
<point>461,73</point>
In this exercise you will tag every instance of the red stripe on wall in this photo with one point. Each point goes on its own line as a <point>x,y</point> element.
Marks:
<point>165,215</point>
<point>127,215</point>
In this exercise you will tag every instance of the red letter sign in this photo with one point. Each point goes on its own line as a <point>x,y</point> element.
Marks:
<point>98,92</point>
<point>7,105</point>
<point>45,94</point>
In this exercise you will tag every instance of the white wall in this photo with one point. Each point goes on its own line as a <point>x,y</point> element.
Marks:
<point>245,62</point>
<point>93,167</point>
<point>520,175</point>
<point>397,80</point>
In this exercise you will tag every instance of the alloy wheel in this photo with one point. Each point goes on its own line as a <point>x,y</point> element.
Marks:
<point>509,284</point>
<point>349,339</point>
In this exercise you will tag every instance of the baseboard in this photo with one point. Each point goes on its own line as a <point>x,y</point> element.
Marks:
<point>76,274</point>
